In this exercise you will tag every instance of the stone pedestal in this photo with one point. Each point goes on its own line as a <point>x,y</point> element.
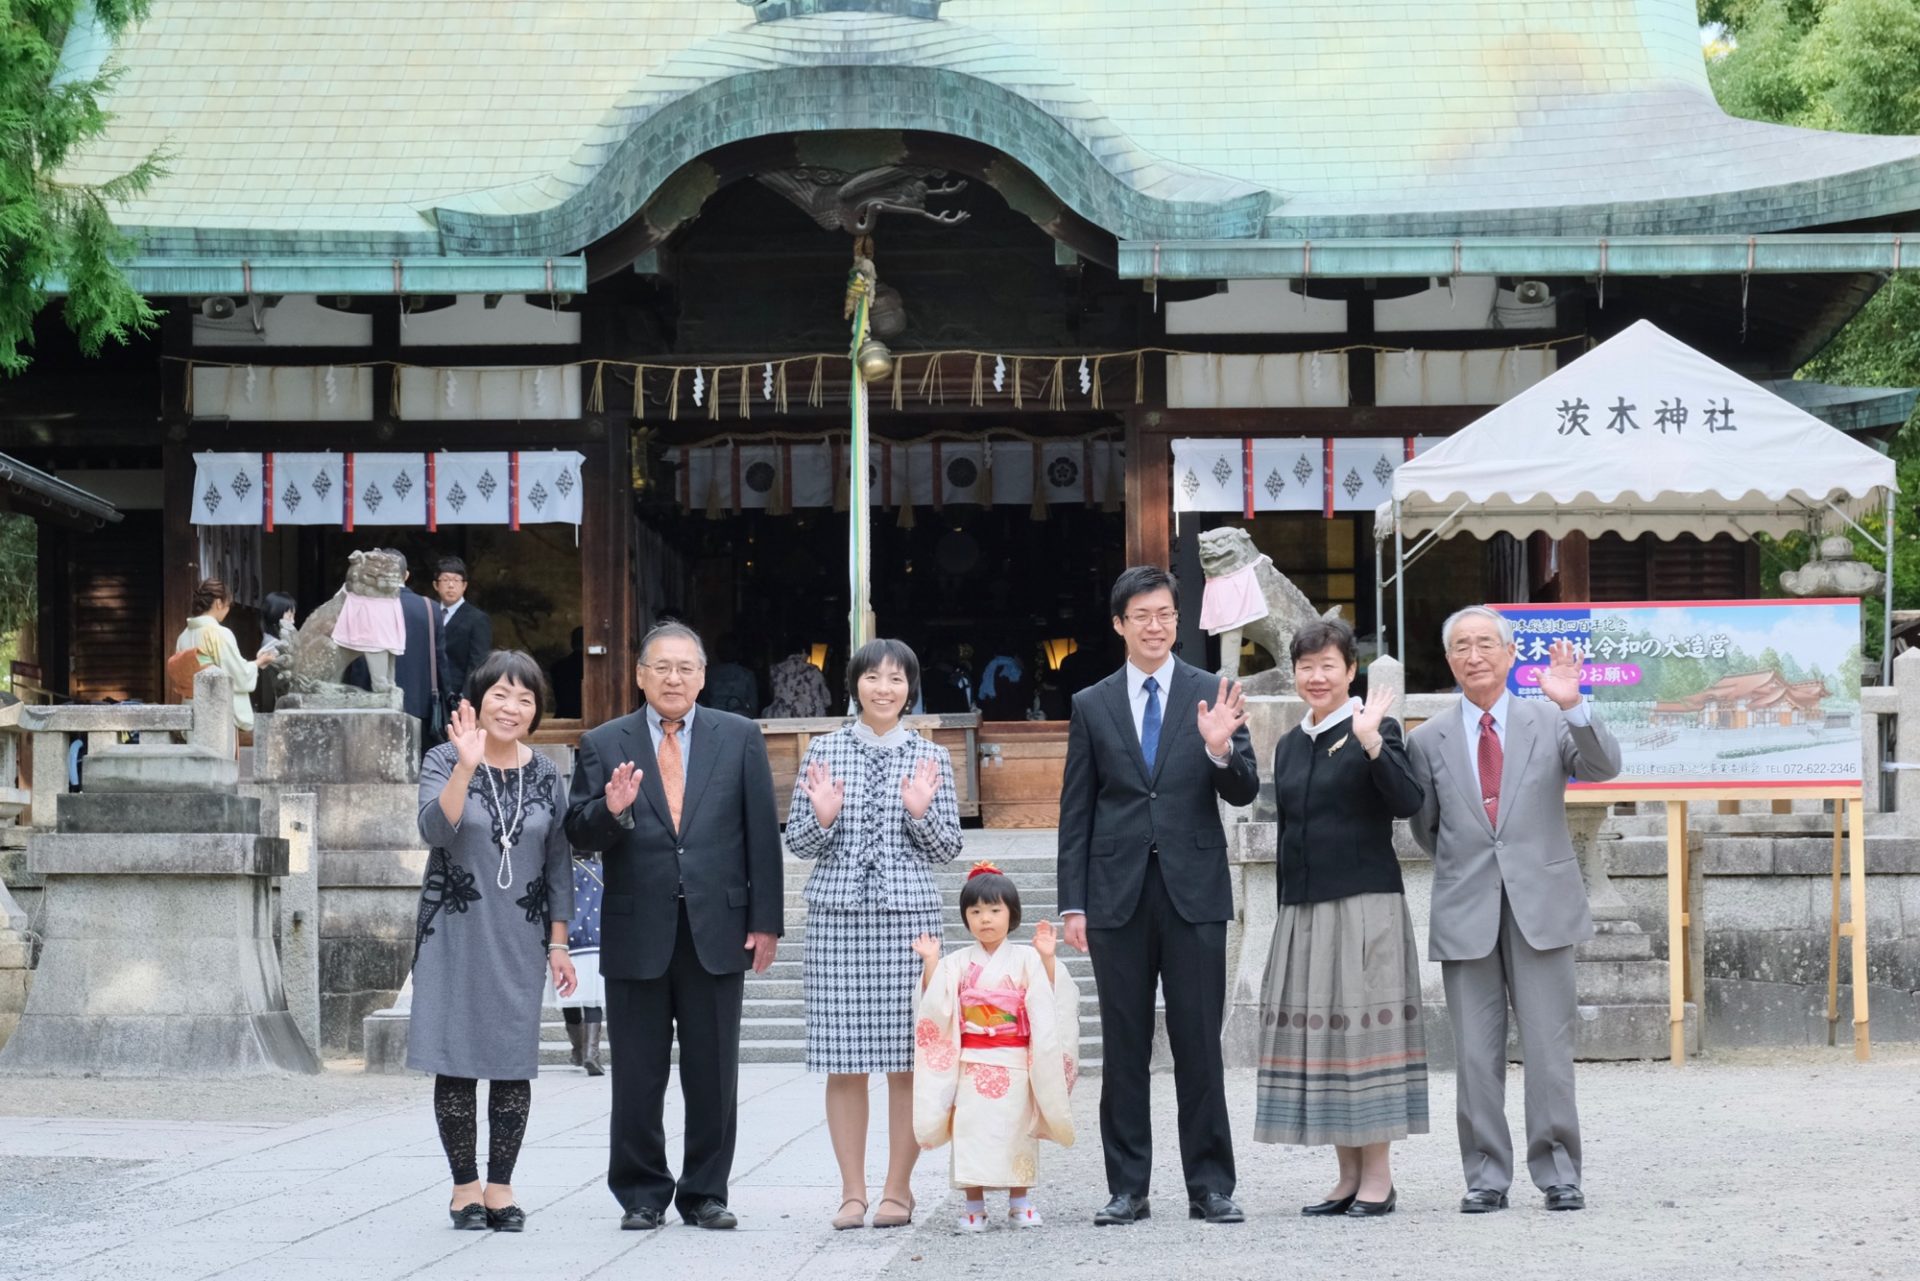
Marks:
<point>158,956</point>
<point>384,1034</point>
<point>1623,989</point>
<point>362,769</point>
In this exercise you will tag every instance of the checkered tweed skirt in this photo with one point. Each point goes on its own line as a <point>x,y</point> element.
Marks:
<point>862,984</point>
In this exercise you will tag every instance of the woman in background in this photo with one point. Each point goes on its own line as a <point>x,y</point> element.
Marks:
<point>214,646</point>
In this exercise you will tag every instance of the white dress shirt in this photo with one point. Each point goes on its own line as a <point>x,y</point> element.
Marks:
<point>1137,694</point>
<point>686,734</point>
<point>448,611</point>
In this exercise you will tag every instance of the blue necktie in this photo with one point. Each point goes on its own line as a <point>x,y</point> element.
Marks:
<point>1150,723</point>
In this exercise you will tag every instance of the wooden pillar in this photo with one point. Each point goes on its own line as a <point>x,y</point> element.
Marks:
<point>606,577</point>
<point>1576,584</point>
<point>1149,498</point>
<point>179,544</point>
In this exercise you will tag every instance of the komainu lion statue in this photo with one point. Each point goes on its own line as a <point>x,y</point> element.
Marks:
<point>1227,551</point>
<point>314,663</point>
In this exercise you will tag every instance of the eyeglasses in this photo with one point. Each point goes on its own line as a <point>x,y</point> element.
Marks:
<point>1165,618</point>
<point>448,578</point>
<point>1478,645</point>
<point>685,671</point>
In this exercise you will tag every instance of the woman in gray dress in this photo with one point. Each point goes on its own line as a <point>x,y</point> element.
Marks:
<point>874,808</point>
<point>492,926</point>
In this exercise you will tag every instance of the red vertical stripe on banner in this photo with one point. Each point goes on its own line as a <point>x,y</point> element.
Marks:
<point>1246,475</point>
<point>513,490</point>
<point>1409,449</point>
<point>686,477</point>
<point>433,497</point>
<point>266,491</point>
<point>1328,444</point>
<point>734,455</point>
<point>939,479</point>
<point>347,508</point>
<point>886,475</point>
<point>1086,471</point>
<point>786,476</point>
<point>839,476</point>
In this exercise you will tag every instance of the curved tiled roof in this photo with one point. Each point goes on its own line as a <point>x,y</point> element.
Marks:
<point>345,124</point>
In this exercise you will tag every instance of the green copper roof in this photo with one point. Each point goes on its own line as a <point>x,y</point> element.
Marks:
<point>326,274</point>
<point>528,127</point>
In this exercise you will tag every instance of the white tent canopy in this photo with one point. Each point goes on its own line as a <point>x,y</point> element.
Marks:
<point>1641,435</point>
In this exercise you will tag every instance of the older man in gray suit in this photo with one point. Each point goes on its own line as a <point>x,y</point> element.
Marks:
<point>1509,904</point>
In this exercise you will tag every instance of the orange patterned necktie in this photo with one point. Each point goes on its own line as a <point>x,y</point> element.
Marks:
<point>673,774</point>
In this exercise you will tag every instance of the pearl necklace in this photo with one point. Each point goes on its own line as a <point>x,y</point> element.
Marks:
<point>508,829</point>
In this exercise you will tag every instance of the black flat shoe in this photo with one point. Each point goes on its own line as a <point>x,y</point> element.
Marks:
<point>711,1214</point>
<point>1483,1201</point>
<point>1374,1209</point>
<point>1122,1210</point>
<point>1321,1209</point>
<point>469,1218</point>
<point>645,1219</point>
<point>1565,1196</point>
<point>1215,1207</point>
<point>510,1219</point>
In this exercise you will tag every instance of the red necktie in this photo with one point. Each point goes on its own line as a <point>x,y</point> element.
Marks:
<point>673,777</point>
<point>1490,768</point>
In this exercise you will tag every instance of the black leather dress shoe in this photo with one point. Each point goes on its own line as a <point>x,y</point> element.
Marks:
<point>645,1219</point>
<point>509,1219</point>
<point>1322,1209</point>
<point>1483,1201</point>
<point>469,1218</point>
<point>711,1214</point>
<point>1565,1196</point>
<point>1374,1209</point>
<point>1215,1207</point>
<point>1122,1209</point>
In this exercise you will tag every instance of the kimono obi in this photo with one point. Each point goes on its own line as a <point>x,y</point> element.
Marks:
<point>992,1018</point>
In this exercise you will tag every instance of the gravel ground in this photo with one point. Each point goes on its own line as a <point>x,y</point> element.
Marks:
<point>271,1098</point>
<point>1791,1164</point>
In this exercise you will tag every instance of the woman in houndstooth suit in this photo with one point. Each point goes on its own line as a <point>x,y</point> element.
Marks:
<point>874,808</point>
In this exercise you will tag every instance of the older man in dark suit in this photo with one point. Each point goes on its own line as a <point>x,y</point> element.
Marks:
<point>1144,885</point>
<point>679,798</point>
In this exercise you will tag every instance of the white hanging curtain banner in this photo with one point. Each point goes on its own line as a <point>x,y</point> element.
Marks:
<point>1209,475</point>
<point>759,475</point>
<point>1012,478</point>
<point>1290,474</point>
<point>551,490</point>
<point>390,489</point>
<point>964,474</point>
<point>1363,471</point>
<point>472,488</point>
<point>812,467</point>
<point>309,489</point>
<point>228,489</point>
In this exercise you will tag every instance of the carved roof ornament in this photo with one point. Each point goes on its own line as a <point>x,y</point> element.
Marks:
<point>853,202</point>
<point>775,10</point>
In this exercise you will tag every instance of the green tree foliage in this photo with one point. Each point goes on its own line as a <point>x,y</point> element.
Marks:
<point>19,578</point>
<point>1852,66</point>
<point>49,227</point>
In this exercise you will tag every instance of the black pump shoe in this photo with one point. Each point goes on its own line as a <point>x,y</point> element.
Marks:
<point>1374,1209</point>
<point>510,1219</point>
<point>1322,1209</point>
<point>469,1218</point>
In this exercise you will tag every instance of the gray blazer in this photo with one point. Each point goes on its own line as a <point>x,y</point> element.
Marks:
<point>1529,853</point>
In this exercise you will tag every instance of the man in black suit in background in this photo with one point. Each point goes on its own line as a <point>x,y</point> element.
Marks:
<point>1144,886</point>
<point>419,670</point>
<point>469,633</point>
<point>679,799</point>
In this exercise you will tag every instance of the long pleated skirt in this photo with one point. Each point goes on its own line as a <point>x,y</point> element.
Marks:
<point>1343,1053</point>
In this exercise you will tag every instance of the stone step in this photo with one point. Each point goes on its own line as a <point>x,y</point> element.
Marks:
<point>786,969</point>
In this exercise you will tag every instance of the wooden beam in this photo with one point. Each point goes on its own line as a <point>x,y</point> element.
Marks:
<point>1149,495</point>
<point>606,578</point>
<point>1351,420</point>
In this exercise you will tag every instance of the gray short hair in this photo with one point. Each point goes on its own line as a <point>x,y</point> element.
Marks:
<point>1476,611</point>
<point>673,631</point>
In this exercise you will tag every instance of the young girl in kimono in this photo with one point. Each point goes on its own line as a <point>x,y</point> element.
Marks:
<point>996,1051</point>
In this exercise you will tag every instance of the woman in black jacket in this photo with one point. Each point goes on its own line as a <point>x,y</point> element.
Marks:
<point>1343,1055</point>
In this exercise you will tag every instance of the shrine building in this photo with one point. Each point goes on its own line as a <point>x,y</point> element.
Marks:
<point>561,290</point>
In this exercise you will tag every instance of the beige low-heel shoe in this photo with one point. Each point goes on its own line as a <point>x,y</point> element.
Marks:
<point>843,1220</point>
<point>882,1219</point>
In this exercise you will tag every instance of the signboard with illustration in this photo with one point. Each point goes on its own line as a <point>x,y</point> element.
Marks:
<point>1736,695</point>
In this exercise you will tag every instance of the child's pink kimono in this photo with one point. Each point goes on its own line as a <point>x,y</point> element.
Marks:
<point>996,1053</point>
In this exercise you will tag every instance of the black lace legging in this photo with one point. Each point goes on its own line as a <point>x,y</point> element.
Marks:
<point>455,1107</point>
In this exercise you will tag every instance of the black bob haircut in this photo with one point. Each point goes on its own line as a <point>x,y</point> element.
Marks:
<point>1138,580</point>
<point>878,653</point>
<point>991,887</point>
<point>1324,633</point>
<point>516,668</point>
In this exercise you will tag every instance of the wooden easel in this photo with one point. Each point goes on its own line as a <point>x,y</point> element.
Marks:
<point>1849,821</point>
